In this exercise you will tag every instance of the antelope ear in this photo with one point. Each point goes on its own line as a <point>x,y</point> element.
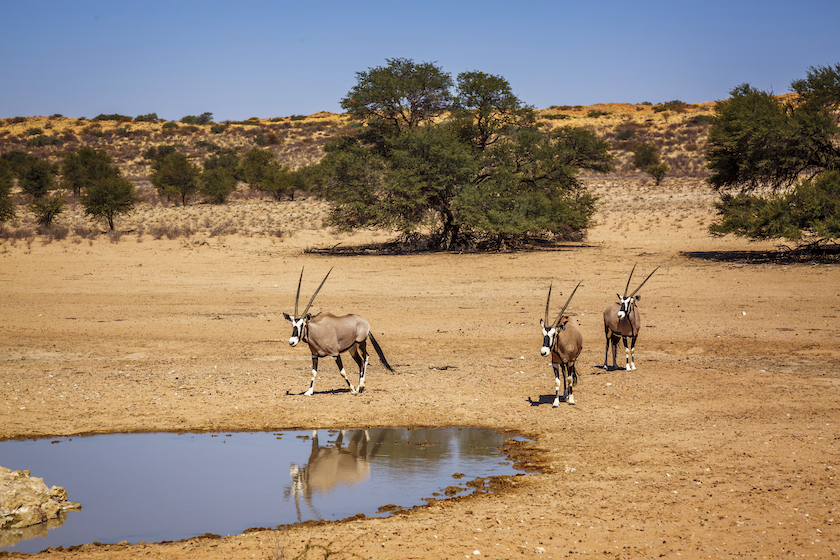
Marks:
<point>287,317</point>
<point>618,296</point>
<point>542,323</point>
<point>309,316</point>
<point>638,298</point>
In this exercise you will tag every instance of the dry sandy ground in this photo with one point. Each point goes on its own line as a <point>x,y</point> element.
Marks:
<point>723,443</point>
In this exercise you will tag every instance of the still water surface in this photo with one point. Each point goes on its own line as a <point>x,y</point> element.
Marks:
<point>168,487</point>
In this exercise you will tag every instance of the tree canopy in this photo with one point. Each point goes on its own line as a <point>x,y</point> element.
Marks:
<point>404,94</point>
<point>464,164</point>
<point>789,148</point>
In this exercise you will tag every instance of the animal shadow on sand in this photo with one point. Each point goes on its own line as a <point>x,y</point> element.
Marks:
<point>341,391</point>
<point>544,399</point>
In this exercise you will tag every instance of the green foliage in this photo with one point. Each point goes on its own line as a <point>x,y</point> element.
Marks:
<point>625,134</point>
<point>488,170</point>
<point>81,169</point>
<point>34,131</point>
<point>225,159</point>
<point>47,208</point>
<point>213,147</point>
<point>118,118</point>
<point>487,108</point>
<point>37,179</point>
<point>278,181</point>
<point>150,117</point>
<point>757,140</point>
<point>676,106</point>
<point>595,113</point>
<point>157,153</point>
<point>175,175</point>
<point>108,196</point>
<point>555,116</point>
<point>41,140</point>
<point>811,209</point>
<point>18,161</point>
<point>7,181</point>
<point>657,171</point>
<point>256,166</point>
<point>403,93</point>
<point>217,183</point>
<point>645,155</point>
<point>701,119</point>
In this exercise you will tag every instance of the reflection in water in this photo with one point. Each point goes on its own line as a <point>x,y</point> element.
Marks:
<point>162,486</point>
<point>332,465</point>
<point>11,537</point>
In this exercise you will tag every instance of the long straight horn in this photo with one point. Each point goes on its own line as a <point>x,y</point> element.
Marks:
<point>297,296</point>
<point>559,317</point>
<point>627,287</point>
<point>316,293</point>
<point>547,302</point>
<point>643,283</point>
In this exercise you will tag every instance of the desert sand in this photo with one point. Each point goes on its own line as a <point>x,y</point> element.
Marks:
<point>723,442</point>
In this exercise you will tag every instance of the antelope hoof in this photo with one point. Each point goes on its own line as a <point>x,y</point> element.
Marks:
<point>556,402</point>
<point>571,399</point>
<point>309,392</point>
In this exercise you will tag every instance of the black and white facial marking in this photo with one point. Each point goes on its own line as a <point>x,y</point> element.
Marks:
<point>627,304</point>
<point>298,328</point>
<point>549,337</point>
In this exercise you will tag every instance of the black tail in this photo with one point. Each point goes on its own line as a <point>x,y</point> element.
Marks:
<point>379,352</point>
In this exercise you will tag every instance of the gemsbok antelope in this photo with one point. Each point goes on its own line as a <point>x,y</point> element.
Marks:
<point>564,341</point>
<point>328,335</point>
<point>622,320</point>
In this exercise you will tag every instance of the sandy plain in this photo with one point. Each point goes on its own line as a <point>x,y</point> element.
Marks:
<point>722,444</point>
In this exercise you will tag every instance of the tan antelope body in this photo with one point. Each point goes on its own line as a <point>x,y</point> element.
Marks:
<point>328,335</point>
<point>562,339</point>
<point>622,320</point>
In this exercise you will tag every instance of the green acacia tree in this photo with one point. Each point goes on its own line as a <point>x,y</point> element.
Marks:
<point>175,175</point>
<point>218,183</point>
<point>109,196</point>
<point>37,178</point>
<point>82,168</point>
<point>47,208</point>
<point>487,170</point>
<point>789,146</point>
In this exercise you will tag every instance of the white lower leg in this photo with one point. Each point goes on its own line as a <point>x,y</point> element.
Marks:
<point>362,378</point>
<point>353,390</point>
<point>627,360</point>
<point>557,389</point>
<point>312,383</point>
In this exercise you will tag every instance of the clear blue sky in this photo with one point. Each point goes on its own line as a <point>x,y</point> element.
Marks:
<point>260,58</point>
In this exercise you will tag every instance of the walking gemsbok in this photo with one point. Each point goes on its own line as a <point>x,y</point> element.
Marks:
<point>328,335</point>
<point>564,341</point>
<point>622,319</point>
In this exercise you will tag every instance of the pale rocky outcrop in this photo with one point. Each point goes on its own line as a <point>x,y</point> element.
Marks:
<point>25,500</point>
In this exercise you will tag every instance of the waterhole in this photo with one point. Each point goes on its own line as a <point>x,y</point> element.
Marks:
<point>168,487</point>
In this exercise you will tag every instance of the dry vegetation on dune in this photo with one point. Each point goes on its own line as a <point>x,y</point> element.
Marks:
<point>677,129</point>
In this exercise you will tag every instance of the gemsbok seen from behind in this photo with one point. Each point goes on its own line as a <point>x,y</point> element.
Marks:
<point>328,335</point>
<point>623,320</point>
<point>563,340</point>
